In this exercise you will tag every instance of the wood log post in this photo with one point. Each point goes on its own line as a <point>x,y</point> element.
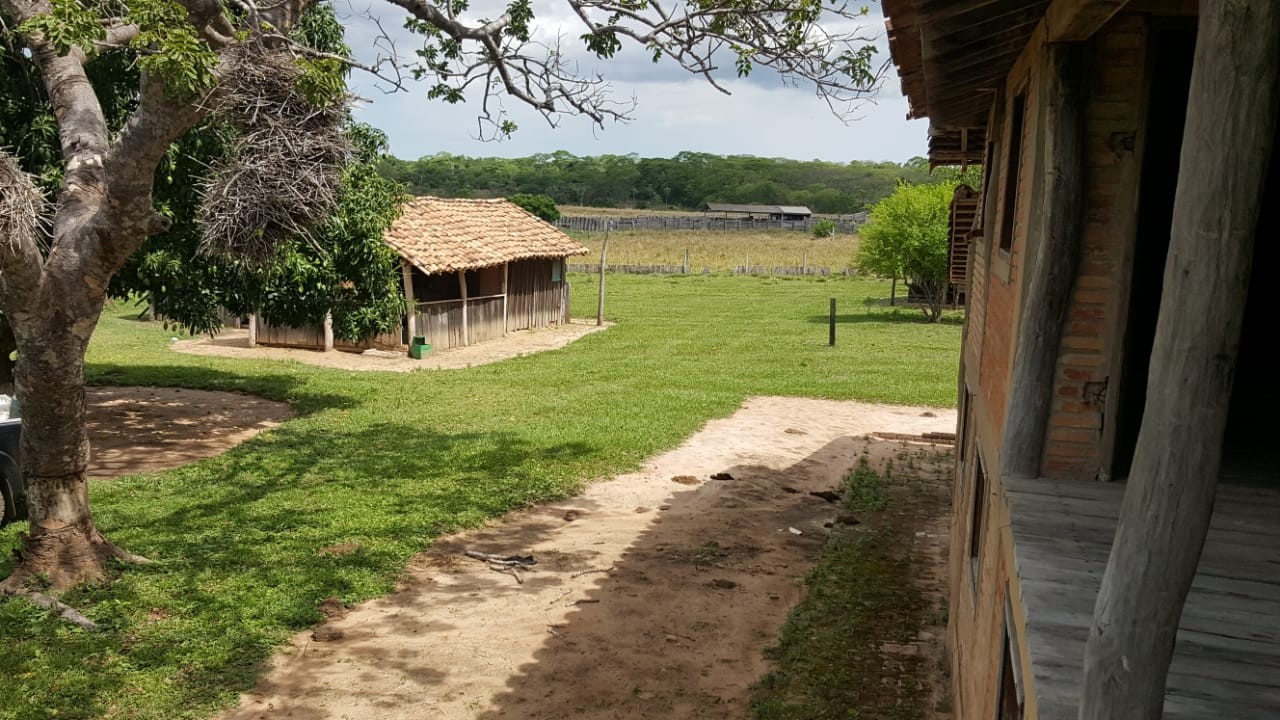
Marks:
<point>1052,274</point>
<point>1230,131</point>
<point>462,289</point>
<point>506,274</point>
<point>253,330</point>
<point>686,261</point>
<point>604,258</point>
<point>328,331</point>
<point>410,304</point>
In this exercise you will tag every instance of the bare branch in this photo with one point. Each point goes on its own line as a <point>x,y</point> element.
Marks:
<point>824,48</point>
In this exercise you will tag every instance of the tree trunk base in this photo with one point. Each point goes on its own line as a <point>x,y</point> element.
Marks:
<point>59,559</point>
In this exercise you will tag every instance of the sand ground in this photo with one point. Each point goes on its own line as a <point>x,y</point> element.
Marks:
<point>234,343</point>
<point>654,595</point>
<point>144,429</point>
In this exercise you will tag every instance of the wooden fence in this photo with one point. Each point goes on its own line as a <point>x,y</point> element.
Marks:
<point>312,338</point>
<point>785,270</point>
<point>699,222</point>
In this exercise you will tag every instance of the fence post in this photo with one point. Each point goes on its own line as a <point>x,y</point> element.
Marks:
<point>253,330</point>
<point>832,334</point>
<point>328,331</point>
<point>686,261</point>
<point>604,257</point>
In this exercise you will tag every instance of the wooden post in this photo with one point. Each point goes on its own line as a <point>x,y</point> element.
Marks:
<point>253,330</point>
<point>1227,144</point>
<point>804,263</point>
<point>410,304</point>
<point>686,261</point>
<point>893,291</point>
<point>604,258</point>
<point>462,284</point>
<point>1052,274</point>
<point>328,331</point>
<point>832,324</point>
<point>506,273</point>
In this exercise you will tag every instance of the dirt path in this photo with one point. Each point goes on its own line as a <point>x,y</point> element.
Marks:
<point>143,429</point>
<point>235,344</point>
<point>654,595</point>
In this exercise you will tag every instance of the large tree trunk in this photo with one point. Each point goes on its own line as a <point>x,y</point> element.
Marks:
<point>1169,499</point>
<point>63,547</point>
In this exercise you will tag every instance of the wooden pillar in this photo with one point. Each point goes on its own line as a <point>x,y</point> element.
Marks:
<point>253,330</point>
<point>604,259</point>
<point>1051,275</point>
<point>410,304</point>
<point>462,284</point>
<point>328,332</point>
<point>506,275</point>
<point>1231,119</point>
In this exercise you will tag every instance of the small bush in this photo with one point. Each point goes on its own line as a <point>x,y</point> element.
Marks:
<point>824,228</point>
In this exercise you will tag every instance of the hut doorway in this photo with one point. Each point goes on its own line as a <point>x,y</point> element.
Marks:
<point>1247,455</point>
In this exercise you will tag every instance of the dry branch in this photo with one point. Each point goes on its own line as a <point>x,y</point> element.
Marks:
<point>284,171</point>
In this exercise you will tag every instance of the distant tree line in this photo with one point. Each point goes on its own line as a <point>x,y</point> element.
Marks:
<point>685,181</point>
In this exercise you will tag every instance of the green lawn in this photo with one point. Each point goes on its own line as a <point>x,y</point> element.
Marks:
<point>391,461</point>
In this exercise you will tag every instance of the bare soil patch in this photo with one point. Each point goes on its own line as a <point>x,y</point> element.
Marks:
<point>651,597</point>
<point>234,343</point>
<point>144,429</point>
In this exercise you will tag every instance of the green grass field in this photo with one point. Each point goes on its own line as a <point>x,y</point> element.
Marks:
<point>720,250</point>
<point>391,461</point>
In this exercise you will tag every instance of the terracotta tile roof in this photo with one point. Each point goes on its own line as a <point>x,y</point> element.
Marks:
<point>442,235</point>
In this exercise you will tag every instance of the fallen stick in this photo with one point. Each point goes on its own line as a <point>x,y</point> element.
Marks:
<point>506,570</point>
<point>580,573</point>
<point>682,637</point>
<point>526,562</point>
<point>558,635</point>
<point>556,599</point>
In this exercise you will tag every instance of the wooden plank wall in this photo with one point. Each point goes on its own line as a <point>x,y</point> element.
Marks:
<point>484,318</point>
<point>534,300</point>
<point>441,324</point>
<point>311,338</point>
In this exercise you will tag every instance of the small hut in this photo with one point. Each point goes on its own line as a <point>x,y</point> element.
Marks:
<point>473,271</point>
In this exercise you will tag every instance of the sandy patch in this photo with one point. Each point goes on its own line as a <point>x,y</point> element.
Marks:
<point>654,596</point>
<point>234,343</point>
<point>143,429</point>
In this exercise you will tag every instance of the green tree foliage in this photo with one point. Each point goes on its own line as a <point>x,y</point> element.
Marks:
<point>540,205</point>
<point>685,181</point>
<point>907,237</point>
<point>824,228</point>
<point>342,267</point>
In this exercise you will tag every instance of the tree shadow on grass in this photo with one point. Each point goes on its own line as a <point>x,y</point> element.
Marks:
<point>247,545</point>
<point>909,316</point>
<point>279,386</point>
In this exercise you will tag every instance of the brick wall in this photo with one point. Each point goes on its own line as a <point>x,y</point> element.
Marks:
<point>1074,441</point>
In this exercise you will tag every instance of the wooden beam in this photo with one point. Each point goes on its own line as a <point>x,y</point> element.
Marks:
<point>506,274</point>
<point>462,284</point>
<point>253,330</point>
<point>1078,20</point>
<point>1168,501</point>
<point>328,332</point>
<point>410,303</point>
<point>1052,273</point>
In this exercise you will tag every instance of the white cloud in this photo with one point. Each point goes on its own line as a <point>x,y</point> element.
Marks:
<point>675,112</point>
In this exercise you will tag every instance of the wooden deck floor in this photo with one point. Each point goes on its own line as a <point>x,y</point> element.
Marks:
<point>1227,660</point>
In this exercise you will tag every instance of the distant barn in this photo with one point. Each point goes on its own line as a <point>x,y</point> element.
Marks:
<point>759,212</point>
<point>473,270</point>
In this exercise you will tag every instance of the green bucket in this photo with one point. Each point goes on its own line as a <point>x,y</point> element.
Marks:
<point>419,347</point>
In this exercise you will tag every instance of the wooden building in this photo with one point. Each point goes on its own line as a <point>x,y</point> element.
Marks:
<point>773,213</point>
<point>473,271</point>
<point>1116,527</point>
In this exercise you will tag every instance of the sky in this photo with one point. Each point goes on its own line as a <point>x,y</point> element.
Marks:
<point>674,111</point>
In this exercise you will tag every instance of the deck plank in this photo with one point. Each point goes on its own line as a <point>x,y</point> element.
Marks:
<point>1227,658</point>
